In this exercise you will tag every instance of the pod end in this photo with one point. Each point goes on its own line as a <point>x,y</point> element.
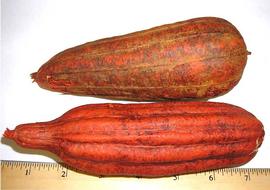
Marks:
<point>9,133</point>
<point>33,76</point>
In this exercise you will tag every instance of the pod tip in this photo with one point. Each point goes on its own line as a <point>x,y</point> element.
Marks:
<point>9,133</point>
<point>33,76</point>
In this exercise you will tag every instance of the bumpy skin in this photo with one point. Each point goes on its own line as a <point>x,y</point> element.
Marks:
<point>197,58</point>
<point>149,140</point>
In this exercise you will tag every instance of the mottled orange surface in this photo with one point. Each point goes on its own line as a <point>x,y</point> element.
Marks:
<point>149,140</point>
<point>197,58</point>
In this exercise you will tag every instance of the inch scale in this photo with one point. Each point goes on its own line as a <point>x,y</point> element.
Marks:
<point>42,175</point>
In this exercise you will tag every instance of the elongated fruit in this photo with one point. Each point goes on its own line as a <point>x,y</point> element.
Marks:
<point>198,58</point>
<point>149,140</point>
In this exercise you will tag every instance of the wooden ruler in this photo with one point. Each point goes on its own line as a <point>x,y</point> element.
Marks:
<point>40,175</point>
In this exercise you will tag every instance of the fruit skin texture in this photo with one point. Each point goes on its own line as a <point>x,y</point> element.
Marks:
<point>198,58</point>
<point>148,140</point>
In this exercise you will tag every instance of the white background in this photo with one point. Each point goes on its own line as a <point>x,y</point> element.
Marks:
<point>34,31</point>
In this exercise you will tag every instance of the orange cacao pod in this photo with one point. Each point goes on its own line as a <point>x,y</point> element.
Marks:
<point>198,58</point>
<point>149,140</point>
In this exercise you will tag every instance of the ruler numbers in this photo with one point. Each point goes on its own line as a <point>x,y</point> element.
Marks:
<point>246,174</point>
<point>27,168</point>
<point>17,174</point>
<point>242,174</point>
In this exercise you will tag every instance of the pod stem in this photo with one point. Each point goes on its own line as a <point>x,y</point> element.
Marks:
<point>9,133</point>
<point>248,52</point>
<point>33,76</point>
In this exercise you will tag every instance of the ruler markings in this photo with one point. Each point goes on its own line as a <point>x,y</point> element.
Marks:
<point>248,174</point>
<point>42,173</point>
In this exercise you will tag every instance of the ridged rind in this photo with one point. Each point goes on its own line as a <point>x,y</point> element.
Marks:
<point>167,138</point>
<point>198,58</point>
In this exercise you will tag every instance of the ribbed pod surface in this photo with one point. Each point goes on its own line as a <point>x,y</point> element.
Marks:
<point>197,58</point>
<point>150,140</point>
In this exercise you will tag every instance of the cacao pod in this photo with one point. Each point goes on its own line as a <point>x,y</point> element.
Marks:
<point>149,140</point>
<point>198,58</point>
